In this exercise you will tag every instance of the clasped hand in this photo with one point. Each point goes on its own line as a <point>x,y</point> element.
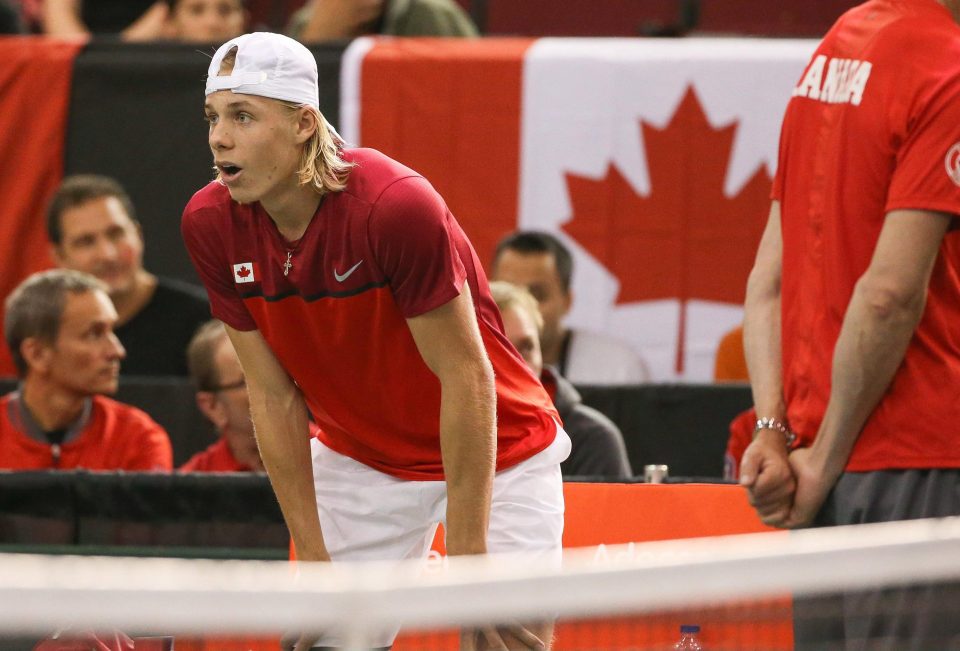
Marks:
<point>787,489</point>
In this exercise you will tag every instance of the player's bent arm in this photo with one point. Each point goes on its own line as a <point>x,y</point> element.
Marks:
<point>280,421</point>
<point>449,342</point>
<point>886,306</point>
<point>761,323</point>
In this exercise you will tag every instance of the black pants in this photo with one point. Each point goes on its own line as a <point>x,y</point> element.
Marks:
<point>909,618</point>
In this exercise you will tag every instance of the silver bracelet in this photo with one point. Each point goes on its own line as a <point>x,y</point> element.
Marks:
<point>779,425</point>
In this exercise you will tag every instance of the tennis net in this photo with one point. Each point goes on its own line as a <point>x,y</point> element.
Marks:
<point>890,584</point>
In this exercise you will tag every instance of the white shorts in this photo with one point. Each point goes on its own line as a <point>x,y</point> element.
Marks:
<point>367,515</point>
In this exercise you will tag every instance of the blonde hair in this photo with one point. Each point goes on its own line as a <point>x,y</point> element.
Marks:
<point>322,165</point>
<point>321,161</point>
<point>507,295</point>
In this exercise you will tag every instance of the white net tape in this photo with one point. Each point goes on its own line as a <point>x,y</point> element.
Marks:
<point>186,596</point>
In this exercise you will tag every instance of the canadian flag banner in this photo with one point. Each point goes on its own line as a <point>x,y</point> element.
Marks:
<point>651,159</point>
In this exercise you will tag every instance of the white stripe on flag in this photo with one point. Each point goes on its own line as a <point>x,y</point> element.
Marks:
<point>351,69</point>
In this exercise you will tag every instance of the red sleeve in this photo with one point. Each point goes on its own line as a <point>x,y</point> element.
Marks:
<point>196,463</point>
<point>414,240</point>
<point>206,247</point>
<point>927,172</point>
<point>150,445</point>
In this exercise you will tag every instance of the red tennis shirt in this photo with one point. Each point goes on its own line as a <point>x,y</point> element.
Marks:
<point>115,437</point>
<point>382,251</point>
<point>873,126</point>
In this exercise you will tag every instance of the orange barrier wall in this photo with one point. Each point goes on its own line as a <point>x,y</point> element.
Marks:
<point>611,514</point>
<point>621,513</point>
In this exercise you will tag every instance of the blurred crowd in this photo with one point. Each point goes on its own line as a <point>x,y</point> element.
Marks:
<point>215,21</point>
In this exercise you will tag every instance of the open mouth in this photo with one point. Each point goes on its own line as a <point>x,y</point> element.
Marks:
<point>229,171</point>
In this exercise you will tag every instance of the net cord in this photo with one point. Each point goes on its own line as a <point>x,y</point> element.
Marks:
<point>40,593</point>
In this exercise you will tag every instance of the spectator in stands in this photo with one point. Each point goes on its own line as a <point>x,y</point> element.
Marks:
<point>92,226</point>
<point>325,20</point>
<point>598,447</point>
<point>222,397</point>
<point>542,264</point>
<point>193,21</point>
<point>132,20</point>
<point>59,327</point>
<point>206,21</point>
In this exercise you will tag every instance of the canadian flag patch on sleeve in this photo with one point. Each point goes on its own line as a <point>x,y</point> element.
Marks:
<point>245,272</point>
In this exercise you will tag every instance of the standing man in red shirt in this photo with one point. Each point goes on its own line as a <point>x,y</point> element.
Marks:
<point>348,288</point>
<point>853,304</point>
<point>59,327</point>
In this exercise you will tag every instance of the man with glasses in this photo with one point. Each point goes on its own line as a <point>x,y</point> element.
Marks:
<point>222,398</point>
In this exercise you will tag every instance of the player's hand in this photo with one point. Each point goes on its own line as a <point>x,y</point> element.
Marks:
<point>306,642</point>
<point>766,473</point>
<point>298,641</point>
<point>114,641</point>
<point>509,637</point>
<point>813,485</point>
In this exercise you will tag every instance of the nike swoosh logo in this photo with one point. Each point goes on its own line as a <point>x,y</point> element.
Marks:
<point>341,277</point>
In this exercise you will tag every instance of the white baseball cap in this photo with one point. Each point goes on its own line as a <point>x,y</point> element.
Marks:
<point>268,65</point>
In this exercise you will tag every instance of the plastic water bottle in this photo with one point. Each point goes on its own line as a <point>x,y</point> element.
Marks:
<point>689,638</point>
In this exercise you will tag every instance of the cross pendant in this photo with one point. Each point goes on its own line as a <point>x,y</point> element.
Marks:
<point>288,265</point>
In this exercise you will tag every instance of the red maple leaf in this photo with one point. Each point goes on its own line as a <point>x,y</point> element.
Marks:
<point>243,272</point>
<point>686,239</point>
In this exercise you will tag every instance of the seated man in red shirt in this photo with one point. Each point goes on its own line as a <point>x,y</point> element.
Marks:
<point>59,327</point>
<point>222,397</point>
